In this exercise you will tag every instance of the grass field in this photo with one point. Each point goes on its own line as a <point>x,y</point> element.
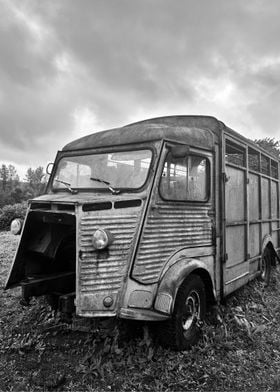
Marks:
<point>239,349</point>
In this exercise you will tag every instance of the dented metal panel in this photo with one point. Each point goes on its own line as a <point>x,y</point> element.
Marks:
<point>274,198</point>
<point>254,199</point>
<point>235,194</point>
<point>255,239</point>
<point>169,228</point>
<point>265,198</point>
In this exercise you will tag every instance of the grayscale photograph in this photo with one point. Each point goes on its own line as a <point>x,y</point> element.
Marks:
<point>139,195</point>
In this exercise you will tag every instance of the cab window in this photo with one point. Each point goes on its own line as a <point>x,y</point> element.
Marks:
<point>185,179</point>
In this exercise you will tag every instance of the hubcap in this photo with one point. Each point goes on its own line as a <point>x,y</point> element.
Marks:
<point>192,310</point>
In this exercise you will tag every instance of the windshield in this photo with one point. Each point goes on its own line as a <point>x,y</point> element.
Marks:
<point>112,171</point>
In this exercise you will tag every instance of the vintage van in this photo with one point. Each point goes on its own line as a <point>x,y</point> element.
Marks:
<point>152,221</point>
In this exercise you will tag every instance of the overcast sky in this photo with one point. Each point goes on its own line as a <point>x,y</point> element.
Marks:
<point>69,68</point>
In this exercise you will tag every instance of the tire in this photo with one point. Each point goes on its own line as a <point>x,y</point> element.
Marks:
<point>265,267</point>
<point>184,328</point>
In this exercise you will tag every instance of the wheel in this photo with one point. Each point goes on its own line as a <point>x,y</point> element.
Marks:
<point>183,329</point>
<point>266,266</point>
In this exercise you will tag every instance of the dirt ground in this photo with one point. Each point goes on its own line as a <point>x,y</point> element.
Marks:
<point>239,348</point>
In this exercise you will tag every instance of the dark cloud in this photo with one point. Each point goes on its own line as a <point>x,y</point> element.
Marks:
<point>71,64</point>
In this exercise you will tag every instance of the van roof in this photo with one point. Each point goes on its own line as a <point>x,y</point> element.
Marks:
<point>195,130</point>
<point>198,131</point>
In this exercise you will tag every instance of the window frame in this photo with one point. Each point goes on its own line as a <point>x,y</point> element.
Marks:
<point>208,179</point>
<point>113,149</point>
<point>238,147</point>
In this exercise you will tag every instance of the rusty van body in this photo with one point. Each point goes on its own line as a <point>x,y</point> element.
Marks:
<point>152,221</point>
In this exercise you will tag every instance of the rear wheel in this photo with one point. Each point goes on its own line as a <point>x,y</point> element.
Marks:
<point>184,328</point>
<point>266,266</point>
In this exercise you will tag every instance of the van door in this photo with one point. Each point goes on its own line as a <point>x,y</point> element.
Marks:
<point>236,266</point>
<point>180,217</point>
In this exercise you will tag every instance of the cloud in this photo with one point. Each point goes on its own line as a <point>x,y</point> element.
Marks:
<point>69,68</point>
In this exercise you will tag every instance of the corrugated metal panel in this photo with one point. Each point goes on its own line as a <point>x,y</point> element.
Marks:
<point>170,227</point>
<point>104,271</point>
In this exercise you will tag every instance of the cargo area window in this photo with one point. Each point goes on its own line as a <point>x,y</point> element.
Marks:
<point>274,169</point>
<point>253,160</point>
<point>185,179</point>
<point>262,164</point>
<point>265,165</point>
<point>235,154</point>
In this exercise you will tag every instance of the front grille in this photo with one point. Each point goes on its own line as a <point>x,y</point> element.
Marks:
<point>103,271</point>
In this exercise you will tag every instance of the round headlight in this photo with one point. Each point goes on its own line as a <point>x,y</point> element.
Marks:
<point>101,239</point>
<point>16,226</point>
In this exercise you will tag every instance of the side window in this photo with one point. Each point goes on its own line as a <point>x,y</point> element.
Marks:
<point>235,154</point>
<point>264,165</point>
<point>274,169</point>
<point>253,159</point>
<point>185,179</point>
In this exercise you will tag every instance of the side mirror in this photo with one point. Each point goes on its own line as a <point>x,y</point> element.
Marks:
<point>49,168</point>
<point>179,151</point>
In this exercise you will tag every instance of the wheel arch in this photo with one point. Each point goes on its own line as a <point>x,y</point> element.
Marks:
<point>174,278</point>
<point>268,243</point>
<point>209,289</point>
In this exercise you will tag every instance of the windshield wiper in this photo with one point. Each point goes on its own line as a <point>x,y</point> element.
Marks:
<point>114,191</point>
<point>68,186</point>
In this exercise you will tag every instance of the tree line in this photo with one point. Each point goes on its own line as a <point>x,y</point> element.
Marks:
<point>13,190</point>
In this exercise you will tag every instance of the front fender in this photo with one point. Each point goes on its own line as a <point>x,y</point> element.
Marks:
<point>172,280</point>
